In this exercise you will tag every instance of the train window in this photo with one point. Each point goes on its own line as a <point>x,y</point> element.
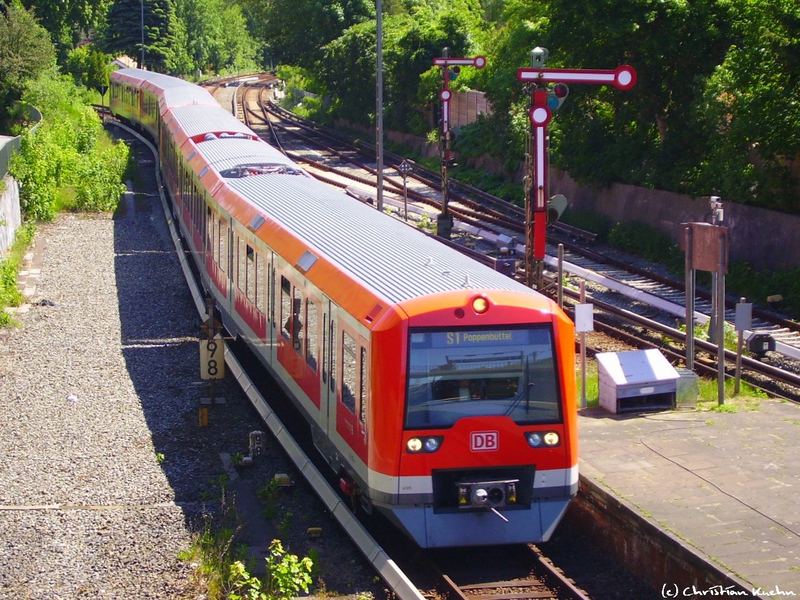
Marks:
<point>286,307</point>
<point>251,274</point>
<point>482,372</point>
<point>363,388</point>
<point>297,321</point>
<point>312,335</point>
<point>349,381</point>
<point>211,246</point>
<point>325,348</point>
<point>261,283</point>
<point>223,246</point>
<point>332,353</point>
<point>240,259</point>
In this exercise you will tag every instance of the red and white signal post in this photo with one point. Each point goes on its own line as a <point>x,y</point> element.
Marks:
<point>444,222</point>
<point>623,78</point>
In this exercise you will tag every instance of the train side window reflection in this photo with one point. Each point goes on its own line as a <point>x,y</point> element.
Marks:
<point>332,353</point>
<point>297,325</point>
<point>286,307</point>
<point>363,387</point>
<point>250,274</point>
<point>312,336</point>
<point>349,372</point>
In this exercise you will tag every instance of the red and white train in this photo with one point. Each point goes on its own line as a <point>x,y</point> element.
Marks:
<point>442,392</point>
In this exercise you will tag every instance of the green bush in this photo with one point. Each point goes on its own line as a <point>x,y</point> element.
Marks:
<point>68,155</point>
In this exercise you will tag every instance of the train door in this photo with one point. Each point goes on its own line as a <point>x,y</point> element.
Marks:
<point>329,347</point>
<point>352,400</point>
<point>271,324</point>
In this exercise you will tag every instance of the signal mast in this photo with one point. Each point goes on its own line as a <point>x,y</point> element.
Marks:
<point>549,90</point>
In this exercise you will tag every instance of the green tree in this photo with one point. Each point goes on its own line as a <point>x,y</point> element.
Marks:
<point>751,107</point>
<point>68,21</point>
<point>648,135</point>
<point>161,34</point>
<point>88,66</point>
<point>294,31</point>
<point>25,51</point>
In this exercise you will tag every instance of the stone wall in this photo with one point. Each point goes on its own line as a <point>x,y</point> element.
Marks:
<point>764,238</point>
<point>10,217</point>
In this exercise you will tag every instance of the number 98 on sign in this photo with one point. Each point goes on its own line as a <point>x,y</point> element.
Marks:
<point>212,359</point>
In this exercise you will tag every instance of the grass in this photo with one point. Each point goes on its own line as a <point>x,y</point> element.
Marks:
<point>749,398</point>
<point>592,384</point>
<point>9,267</point>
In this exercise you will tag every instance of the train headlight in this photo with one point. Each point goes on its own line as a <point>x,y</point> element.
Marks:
<point>429,443</point>
<point>480,305</point>
<point>537,439</point>
<point>551,438</point>
<point>432,444</point>
<point>414,445</point>
<point>534,439</point>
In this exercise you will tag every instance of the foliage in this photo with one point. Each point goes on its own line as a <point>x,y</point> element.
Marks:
<point>215,35</point>
<point>287,574</point>
<point>89,67</point>
<point>299,83</point>
<point>68,150</point>
<point>214,552</point>
<point>160,34</point>
<point>411,41</point>
<point>68,21</point>
<point>645,241</point>
<point>294,31</point>
<point>750,107</point>
<point>25,52</point>
<point>9,267</point>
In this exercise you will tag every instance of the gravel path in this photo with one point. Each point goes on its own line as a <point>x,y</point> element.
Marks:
<point>104,471</point>
<point>86,509</point>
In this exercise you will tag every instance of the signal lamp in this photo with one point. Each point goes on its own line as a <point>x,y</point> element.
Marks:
<point>414,445</point>
<point>556,96</point>
<point>480,305</point>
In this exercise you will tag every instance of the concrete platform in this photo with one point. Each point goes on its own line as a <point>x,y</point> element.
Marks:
<point>724,485</point>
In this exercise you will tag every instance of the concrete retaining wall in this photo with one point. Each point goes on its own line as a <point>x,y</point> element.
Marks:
<point>10,217</point>
<point>766,239</point>
<point>655,555</point>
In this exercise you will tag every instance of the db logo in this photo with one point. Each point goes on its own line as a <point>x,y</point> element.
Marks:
<point>483,441</point>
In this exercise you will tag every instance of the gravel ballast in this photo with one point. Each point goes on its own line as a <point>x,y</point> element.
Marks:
<point>88,391</point>
<point>105,474</point>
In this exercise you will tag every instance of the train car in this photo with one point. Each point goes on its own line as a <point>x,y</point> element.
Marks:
<point>441,392</point>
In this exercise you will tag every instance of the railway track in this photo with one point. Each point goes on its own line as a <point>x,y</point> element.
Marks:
<point>337,161</point>
<point>514,573</point>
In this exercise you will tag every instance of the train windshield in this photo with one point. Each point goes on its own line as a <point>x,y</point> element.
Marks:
<point>458,373</point>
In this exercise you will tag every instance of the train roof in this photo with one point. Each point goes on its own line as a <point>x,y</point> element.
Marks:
<point>185,96</point>
<point>198,119</point>
<point>225,153</point>
<point>396,261</point>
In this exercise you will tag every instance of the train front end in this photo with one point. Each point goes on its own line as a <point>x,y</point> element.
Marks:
<point>488,451</point>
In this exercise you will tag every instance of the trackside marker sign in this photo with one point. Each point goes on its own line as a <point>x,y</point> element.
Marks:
<point>484,441</point>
